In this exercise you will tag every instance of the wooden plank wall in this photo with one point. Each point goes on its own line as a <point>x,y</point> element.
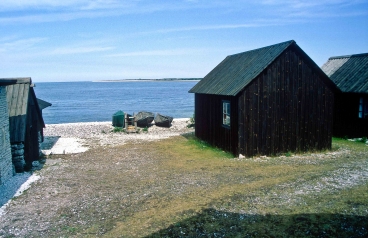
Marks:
<point>17,97</point>
<point>286,108</point>
<point>33,127</point>
<point>208,121</point>
<point>346,120</point>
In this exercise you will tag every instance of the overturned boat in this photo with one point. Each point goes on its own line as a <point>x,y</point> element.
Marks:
<point>164,121</point>
<point>144,118</point>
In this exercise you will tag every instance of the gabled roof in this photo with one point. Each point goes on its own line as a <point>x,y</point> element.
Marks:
<point>236,71</point>
<point>349,73</point>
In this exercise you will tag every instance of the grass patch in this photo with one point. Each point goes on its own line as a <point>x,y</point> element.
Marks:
<point>118,130</point>
<point>288,154</point>
<point>351,145</point>
<point>195,145</point>
<point>362,140</point>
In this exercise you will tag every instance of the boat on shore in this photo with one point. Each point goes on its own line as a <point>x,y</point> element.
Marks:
<point>162,120</point>
<point>144,119</point>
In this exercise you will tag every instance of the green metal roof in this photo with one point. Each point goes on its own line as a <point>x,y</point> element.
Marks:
<point>238,70</point>
<point>349,73</point>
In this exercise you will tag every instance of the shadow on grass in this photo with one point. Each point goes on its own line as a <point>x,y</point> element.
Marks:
<point>213,223</point>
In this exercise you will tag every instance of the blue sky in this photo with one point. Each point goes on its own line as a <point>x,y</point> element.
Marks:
<point>80,40</point>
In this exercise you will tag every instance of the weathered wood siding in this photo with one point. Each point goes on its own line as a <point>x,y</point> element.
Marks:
<point>208,121</point>
<point>17,97</point>
<point>34,126</point>
<point>6,167</point>
<point>346,120</point>
<point>288,107</point>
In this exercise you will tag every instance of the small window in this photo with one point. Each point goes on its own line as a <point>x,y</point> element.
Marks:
<point>363,108</point>
<point>226,113</point>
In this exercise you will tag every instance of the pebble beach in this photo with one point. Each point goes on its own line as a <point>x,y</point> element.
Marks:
<point>77,137</point>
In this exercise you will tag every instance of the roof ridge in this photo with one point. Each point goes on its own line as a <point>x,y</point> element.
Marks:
<point>289,43</point>
<point>349,56</point>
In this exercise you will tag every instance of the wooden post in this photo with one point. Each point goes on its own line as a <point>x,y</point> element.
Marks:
<point>135,122</point>
<point>126,119</point>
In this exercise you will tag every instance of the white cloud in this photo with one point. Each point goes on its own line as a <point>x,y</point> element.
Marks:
<point>12,44</point>
<point>23,4</point>
<point>25,12</point>
<point>105,4</point>
<point>36,11</point>
<point>173,52</point>
<point>51,17</point>
<point>79,50</point>
<point>216,27</point>
<point>314,8</point>
<point>6,5</point>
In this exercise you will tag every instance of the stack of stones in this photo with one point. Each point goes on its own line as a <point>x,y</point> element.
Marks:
<point>39,144</point>
<point>17,150</point>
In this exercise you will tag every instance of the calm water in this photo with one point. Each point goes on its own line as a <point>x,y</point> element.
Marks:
<point>98,101</point>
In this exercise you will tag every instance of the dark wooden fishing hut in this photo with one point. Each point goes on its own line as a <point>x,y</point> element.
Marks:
<point>25,123</point>
<point>264,102</point>
<point>350,74</point>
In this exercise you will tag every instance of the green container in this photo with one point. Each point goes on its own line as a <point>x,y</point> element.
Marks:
<point>118,119</point>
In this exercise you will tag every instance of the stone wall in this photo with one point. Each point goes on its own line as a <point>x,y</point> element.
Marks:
<point>6,166</point>
<point>17,150</point>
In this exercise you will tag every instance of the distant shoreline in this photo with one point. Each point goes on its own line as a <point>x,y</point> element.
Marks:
<point>140,80</point>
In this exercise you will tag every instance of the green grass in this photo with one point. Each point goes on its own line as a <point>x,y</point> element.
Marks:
<point>356,146</point>
<point>362,140</point>
<point>248,198</point>
<point>118,130</point>
<point>203,147</point>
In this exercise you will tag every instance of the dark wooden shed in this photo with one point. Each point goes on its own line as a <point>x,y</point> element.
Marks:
<point>350,74</point>
<point>264,102</point>
<point>25,123</point>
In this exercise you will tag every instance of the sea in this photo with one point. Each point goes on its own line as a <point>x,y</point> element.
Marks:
<point>98,101</point>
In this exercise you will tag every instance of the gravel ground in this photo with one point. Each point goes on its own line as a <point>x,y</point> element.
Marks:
<point>71,138</point>
<point>62,197</point>
<point>78,137</point>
